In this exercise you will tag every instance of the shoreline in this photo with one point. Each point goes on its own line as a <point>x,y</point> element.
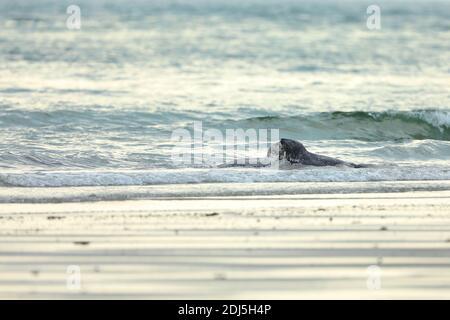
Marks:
<point>208,190</point>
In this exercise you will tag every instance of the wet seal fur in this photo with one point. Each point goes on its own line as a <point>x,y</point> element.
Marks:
<point>295,153</point>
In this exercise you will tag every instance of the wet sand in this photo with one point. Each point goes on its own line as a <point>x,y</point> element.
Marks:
<point>261,247</point>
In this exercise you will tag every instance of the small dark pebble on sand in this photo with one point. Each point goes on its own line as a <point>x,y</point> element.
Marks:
<point>81,243</point>
<point>220,276</point>
<point>35,272</point>
<point>54,218</point>
<point>211,214</point>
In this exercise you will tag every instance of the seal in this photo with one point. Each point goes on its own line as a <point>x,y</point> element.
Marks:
<point>295,153</point>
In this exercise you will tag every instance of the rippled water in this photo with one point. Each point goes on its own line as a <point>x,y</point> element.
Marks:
<point>97,106</point>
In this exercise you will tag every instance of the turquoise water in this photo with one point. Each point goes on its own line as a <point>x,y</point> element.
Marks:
<point>97,106</point>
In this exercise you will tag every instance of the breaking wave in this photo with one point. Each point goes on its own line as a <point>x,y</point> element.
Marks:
<point>360,125</point>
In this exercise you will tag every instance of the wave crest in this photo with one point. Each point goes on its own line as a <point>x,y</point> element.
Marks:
<point>360,125</point>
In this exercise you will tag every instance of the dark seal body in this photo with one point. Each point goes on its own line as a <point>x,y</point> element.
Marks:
<point>295,153</point>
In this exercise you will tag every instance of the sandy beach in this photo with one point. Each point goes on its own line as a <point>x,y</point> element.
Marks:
<point>246,247</point>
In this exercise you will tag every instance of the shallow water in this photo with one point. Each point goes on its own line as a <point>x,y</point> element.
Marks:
<point>97,106</point>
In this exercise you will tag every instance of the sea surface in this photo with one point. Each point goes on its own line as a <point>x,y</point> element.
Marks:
<point>97,106</point>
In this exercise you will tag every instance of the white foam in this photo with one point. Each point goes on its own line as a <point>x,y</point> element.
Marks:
<point>437,118</point>
<point>208,190</point>
<point>231,175</point>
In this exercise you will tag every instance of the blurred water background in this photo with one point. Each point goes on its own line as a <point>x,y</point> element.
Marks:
<point>97,106</point>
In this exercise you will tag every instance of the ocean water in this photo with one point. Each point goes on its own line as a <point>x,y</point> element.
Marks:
<point>97,106</point>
